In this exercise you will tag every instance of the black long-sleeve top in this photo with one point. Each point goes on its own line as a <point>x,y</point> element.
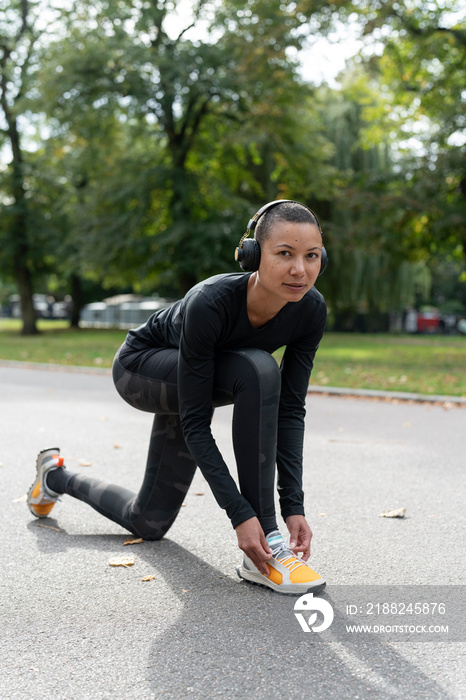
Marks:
<point>213,317</point>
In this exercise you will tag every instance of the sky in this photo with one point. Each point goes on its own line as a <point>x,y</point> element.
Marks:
<point>325,59</point>
<point>321,61</point>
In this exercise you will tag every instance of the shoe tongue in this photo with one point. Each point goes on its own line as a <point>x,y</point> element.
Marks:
<point>277,544</point>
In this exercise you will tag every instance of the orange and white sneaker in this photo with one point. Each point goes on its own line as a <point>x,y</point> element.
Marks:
<point>287,573</point>
<point>41,499</point>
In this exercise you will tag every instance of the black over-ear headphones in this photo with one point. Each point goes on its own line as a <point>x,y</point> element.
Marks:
<point>248,252</point>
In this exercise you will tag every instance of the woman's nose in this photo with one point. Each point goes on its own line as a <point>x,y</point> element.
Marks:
<point>297,267</point>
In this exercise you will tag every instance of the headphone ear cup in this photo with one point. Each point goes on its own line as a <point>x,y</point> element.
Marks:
<point>323,260</point>
<point>249,255</point>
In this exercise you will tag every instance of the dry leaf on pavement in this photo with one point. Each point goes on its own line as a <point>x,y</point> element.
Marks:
<point>130,541</point>
<point>400,513</point>
<point>121,561</point>
<point>150,577</point>
<point>48,527</point>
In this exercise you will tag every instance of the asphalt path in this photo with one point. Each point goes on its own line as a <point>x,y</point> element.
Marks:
<point>74,627</point>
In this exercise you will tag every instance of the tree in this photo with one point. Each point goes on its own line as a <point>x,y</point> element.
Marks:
<point>190,104</point>
<point>372,271</point>
<point>17,40</point>
<point>421,73</point>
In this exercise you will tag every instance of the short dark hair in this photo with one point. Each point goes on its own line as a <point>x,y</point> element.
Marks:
<point>293,212</point>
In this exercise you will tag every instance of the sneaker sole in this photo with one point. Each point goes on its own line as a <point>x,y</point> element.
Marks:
<point>317,588</point>
<point>34,484</point>
<point>31,506</point>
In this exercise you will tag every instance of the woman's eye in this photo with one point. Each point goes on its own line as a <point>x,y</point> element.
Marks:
<point>284,252</point>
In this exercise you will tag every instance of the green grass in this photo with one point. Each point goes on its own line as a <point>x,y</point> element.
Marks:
<point>420,364</point>
<point>58,344</point>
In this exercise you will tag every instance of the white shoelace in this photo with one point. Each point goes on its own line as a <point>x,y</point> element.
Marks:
<point>283,552</point>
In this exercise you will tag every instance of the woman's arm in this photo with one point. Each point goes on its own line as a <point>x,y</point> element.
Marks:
<point>201,327</point>
<point>296,368</point>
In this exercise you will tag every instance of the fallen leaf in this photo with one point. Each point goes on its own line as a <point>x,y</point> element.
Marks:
<point>84,463</point>
<point>116,447</point>
<point>150,577</point>
<point>199,493</point>
<point>48,527</point>
<point>130,541</point>
<point>185,590</point>
<point>21,499</point>
<point>400,513</point>
<point>121,561</point>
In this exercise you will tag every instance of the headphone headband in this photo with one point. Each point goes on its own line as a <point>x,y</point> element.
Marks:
<point>252,223</point>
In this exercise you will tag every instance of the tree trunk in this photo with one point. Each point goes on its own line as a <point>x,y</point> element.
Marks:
<point>28,314</point>
<point>77,303</point>
<point>186,281</point>
<point>21,253</point>
<point>463,227</point>
<point>19,227</point>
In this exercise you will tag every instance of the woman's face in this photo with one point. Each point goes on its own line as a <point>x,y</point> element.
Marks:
<point>290,260</point>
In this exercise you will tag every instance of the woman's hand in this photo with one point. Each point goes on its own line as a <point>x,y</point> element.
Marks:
<point>300,535</point>
<point>251,540</point>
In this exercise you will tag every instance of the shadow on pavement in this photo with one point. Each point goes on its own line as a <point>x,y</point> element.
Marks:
<point>232,639</point>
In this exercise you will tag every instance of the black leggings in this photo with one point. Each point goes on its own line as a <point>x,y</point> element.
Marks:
<point>147,380</point>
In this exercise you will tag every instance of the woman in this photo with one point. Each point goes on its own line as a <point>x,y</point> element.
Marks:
<point>210,349</point>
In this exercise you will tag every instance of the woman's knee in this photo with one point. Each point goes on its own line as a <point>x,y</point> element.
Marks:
<point>259,370</point>
<point>149,534</point>
<point>153,530</point>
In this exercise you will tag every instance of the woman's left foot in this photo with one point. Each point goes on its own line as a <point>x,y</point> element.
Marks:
<point>287,573</point>
<point>41,499</point>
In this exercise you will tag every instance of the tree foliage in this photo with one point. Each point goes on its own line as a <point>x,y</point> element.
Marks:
<point>420,73</point>
<point>213,126</point>
<point>146,134</point>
